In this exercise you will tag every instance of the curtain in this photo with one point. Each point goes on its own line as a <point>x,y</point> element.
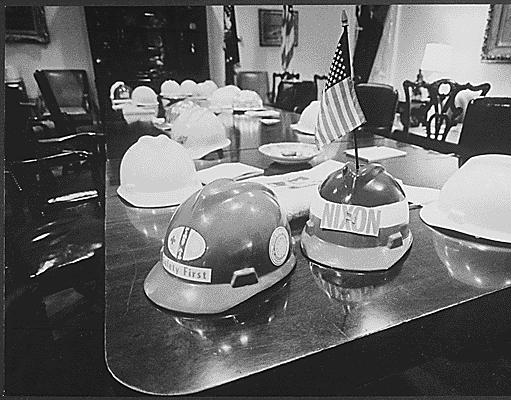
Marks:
<point>384,65</point>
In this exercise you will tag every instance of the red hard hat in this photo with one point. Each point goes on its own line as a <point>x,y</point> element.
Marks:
<point>226,243</point>
<point>358,220</point>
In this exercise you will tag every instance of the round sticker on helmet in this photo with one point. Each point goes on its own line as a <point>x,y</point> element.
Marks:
<point>279,246</point>
<point>184,243</point>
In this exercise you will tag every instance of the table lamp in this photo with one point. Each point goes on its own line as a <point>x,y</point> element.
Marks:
<point>437,59</point>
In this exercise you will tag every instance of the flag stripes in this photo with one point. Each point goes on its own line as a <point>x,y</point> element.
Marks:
<point>288,37</point>
<point>339,111</point>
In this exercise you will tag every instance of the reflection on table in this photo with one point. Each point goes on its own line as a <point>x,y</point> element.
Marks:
<point>318,311</point>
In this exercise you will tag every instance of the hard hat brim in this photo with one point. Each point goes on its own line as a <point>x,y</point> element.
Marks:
<point>199,152</point>
<point>302,129</point>
<point>349,258</point>
<point>170,292</point>
<point>162,199</point>
<point>433,215</point>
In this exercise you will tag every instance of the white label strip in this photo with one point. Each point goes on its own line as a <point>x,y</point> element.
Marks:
<point>186,271</point>
<point>358,219</point>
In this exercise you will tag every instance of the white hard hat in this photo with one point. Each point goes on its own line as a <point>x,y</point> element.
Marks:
<point>188,87</point>
<point>144,96</point>
<point>175,110</point>
<point>169,88</point>
<point>200,131</point>
<point>247,100</point>
<point>223,97</point>
<point>157,172</point>
<point>12,74</point>
<point>207,88</point>
<point>308,119</point>
<point>476,200</point>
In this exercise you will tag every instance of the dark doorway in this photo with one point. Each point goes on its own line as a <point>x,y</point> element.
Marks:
<point>371,19</point>
<point>146,46</point>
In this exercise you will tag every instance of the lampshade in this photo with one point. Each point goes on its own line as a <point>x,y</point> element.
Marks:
<point>437,57</point>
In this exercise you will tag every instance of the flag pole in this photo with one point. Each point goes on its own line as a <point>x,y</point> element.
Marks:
<point>344,23</point>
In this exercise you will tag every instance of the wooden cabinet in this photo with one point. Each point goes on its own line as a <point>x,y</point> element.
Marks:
<point>146,45</point>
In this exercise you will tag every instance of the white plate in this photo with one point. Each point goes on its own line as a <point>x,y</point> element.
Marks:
<point>174,96</point>
<point>289,152</point>
<point>263,113</point>
<point>146,105</point>
<point>269,121</point>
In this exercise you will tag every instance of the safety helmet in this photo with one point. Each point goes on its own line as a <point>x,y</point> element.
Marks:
<point>120,92</point>
<point>207,88</point>
<point>308,119</point>
<point>188,87</point>
<point>358,220</point>
<point>169,88</point>
<point>157,172</point>
<point>175,110</point>
<point>476,199</point>
<point>224,244</point>
<point>475,262</point>
<point>144,96</point>
<point>247,100</point>
<point>200,131</point>
<point>223,97</point>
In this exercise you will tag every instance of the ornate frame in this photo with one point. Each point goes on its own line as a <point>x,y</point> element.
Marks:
<point>270,25</point>
<point>36,31</point>
<point>497,37</point>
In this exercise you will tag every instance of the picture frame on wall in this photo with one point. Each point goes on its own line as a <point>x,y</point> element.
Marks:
<point>497,37</point>
<point>270,27</point>
<point>26,24</point>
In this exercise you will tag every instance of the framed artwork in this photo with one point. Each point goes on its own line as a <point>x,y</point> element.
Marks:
<point>26,24</point>
<point>497,37</point>
<point>270,27</point>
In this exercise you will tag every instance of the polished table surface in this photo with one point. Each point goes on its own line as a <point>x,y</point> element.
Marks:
<point>314,310</point>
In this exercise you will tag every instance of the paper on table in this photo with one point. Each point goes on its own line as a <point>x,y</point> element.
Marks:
<point>420,195</point>
<point>227,170</point>
<point>375,153</point>
<point>295,189</point>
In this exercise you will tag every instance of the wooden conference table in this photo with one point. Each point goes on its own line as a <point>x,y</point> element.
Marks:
<point>317,332</point>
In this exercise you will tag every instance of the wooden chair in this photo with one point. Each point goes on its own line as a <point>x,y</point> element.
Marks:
<point>379,103</point>
<point>486,128</point>
<point>256,81</point>
<point>438,112</point>
<point>277,78</point>
<point>48,249</point>
<point>67,96</point>
<point>295,96</point>
<point>317,80</point>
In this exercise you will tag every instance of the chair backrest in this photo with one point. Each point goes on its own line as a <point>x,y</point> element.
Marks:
<point>439,112</point>
<point>486,127</point>
<point>16,124</point>
<point>69,86</point>
<point>378,102</point>
<point>319,83</point>
<point>277,78</point>
<point>295,96</point>
<point>256,81</point>
<point>66,89</point>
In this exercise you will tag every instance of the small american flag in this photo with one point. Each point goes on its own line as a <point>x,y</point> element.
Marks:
<point>288,36</point>
<point>339,111</point>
